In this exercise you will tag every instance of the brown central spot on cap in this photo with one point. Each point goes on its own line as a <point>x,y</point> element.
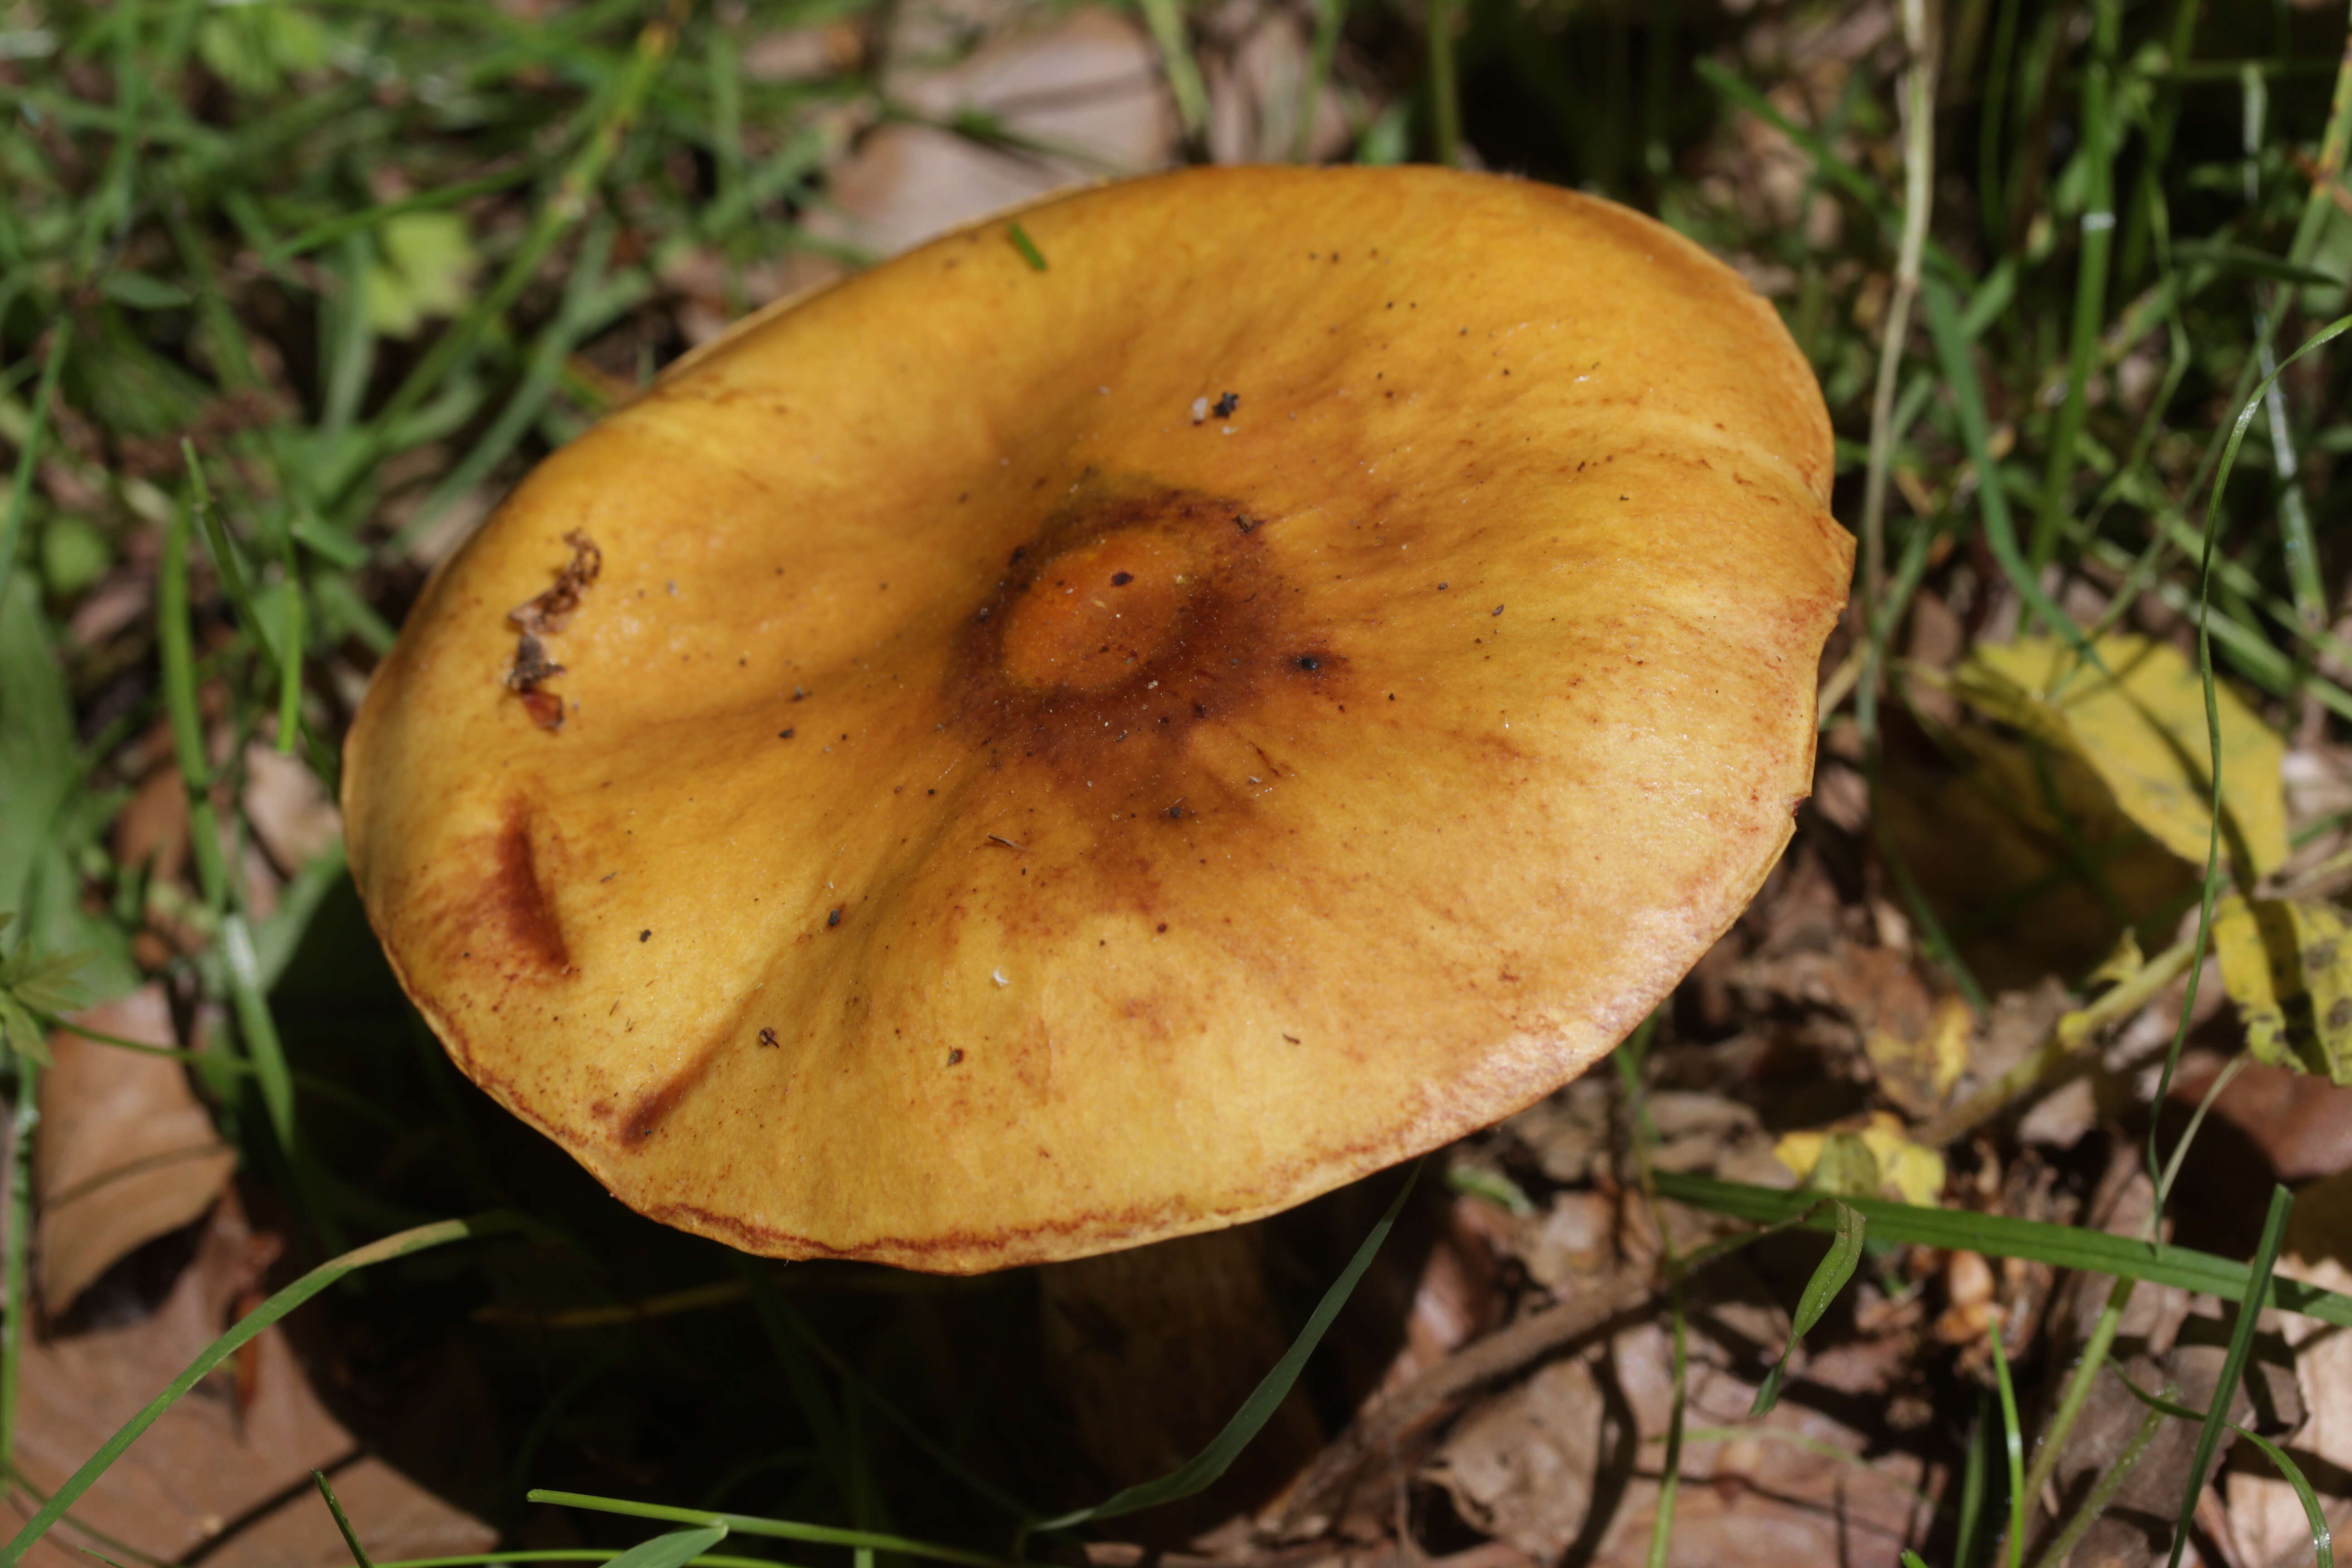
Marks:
<point>1096,612</point>
<point>1136,616</point>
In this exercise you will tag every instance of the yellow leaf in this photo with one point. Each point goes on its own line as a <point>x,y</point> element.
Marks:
<point>1934,1062</point>
<point>427,269</point>
<point>1947,1042</point>
<point>2025,854</point>
<point>1914,1172</point>
<point>1876,1160</point>
<point>2140,726</point>
<point>2288,967</point>
<point>1800,1152</point>
<point>1839,1164</point>
<point>2121,964</point>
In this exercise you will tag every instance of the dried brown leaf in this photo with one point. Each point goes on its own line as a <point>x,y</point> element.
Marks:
<point>290,809</point>
<point>1087,77</point>
<point>2266,1515</point>
<point>1523,1466</point>
<point>125,1152</point>
<point>1790,1488</point>
<point>225,1471</point>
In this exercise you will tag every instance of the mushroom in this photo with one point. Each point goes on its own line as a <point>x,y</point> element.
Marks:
<point>1114,723</point>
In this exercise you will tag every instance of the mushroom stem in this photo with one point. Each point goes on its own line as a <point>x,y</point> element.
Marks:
<point>1153,1348</point>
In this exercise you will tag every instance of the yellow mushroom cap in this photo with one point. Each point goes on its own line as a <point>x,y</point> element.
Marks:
<point>1012,800</point>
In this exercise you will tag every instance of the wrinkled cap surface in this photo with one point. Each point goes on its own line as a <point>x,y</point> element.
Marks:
<point>1056,759</point>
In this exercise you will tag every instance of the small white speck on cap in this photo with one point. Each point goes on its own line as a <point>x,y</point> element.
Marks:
<point>1000,977</point>
<point>1200,411</point>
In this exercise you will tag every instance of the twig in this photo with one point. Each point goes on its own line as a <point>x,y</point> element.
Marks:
<point>1918,102</point>
<point>2071,1030</point>
<point>1412,1408</point>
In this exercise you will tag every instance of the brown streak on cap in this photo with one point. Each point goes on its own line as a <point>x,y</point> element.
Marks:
<point>1067,697</point>
<point>515,903</point>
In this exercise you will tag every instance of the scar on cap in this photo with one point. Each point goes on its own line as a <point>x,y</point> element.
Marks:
<point>515,898</point>
<point>550,612</point>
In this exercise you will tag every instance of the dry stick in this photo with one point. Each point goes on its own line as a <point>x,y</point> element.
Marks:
<point>1413,1406</point>
<point>2074,1030</point>
<point>2083,1024</point>
<point>1128,1554</point>
<point>1918,110</point>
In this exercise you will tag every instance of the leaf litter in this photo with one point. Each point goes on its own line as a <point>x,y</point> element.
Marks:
<point>126,1152</point>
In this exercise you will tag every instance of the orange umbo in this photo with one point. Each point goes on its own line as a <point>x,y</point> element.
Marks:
<point>987,764</point>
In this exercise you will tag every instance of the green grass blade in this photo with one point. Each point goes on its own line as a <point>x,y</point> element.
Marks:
<point>241,1332</point>
<point>2098,224</point>
<point>671,1550</point>
<point>1918,132</point>
<point>26,1119</point>
<point>1972,1485</point>
<point>1670,1469</point>
<point>1992,495</point>
<point>2233,1365</point>
<point>225,563</point>
<point>2210,892</point>
<point>176,650</point>
<point>1330,17</point>
<point>342,1519</point>
<point>2077,1391</point>
<point>2323,1542</point>
<point>542,370</point>
<point>1999,1235</point>
<point>88,1532</point>
<point>1205,1466</point>
<point>1829,1276</point>
<point>286,658</point>
<point>28,454</point>
<point>778,1529</point>
<point>366,218</point>
<point>2012,1439</point>
<point>2102,1491</point>
<point>1026,246</point>
<point>346,348</point>
<point>795,1342</point>
<point>2239,259</point>
<point>2323,1538</point>
<point>454,350</point>
<point>1444,86</point>
<point>1991,118</point>
<point>1165,19</point>
<point>259,1030</point>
